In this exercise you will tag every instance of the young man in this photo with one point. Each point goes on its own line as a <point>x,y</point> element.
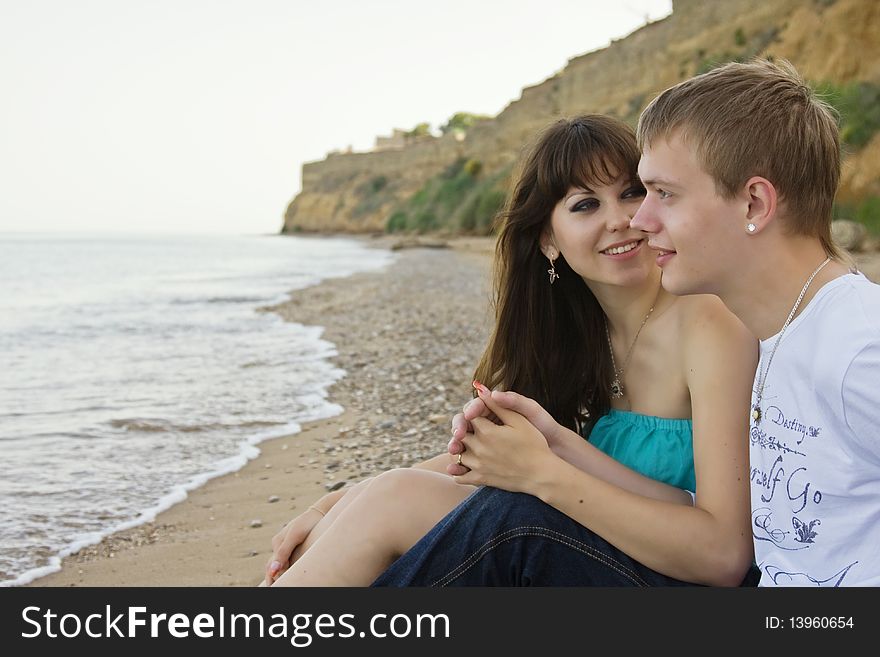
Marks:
<point>741,165</point>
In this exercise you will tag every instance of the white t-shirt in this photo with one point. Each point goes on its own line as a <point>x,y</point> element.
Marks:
<point>815,454</point>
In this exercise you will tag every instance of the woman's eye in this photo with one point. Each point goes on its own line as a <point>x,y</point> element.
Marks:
<point>662,193</point>
<point>586,204</point>
<point>635,192</point>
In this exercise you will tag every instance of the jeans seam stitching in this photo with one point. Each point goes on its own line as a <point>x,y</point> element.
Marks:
<point>545,533</point>
<point>589,551</point>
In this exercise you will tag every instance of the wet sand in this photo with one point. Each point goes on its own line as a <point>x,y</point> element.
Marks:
<point>408,337</point>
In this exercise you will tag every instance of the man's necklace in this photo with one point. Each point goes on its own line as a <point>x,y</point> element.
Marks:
<point>757,413</point>
<point>616,385</point>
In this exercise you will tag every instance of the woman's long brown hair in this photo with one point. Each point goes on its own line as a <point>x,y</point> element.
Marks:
<point>549,341</point>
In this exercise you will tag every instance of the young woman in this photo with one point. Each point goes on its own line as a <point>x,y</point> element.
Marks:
<point>590,342</point>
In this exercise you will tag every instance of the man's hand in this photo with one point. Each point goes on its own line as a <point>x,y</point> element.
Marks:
<point>508,454</point>
<point>525,406</point>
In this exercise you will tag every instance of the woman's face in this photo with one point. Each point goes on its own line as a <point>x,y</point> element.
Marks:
<point>590,227</point>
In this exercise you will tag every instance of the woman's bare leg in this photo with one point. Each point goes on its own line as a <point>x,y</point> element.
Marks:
<point>388,517</point>
<point>325,523</point>
<point>345,500</point>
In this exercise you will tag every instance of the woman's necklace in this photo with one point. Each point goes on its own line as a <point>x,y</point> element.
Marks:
<point>757,413</point>
<point>616,385</point>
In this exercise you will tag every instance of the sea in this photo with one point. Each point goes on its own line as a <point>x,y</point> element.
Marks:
<point>134,368</point>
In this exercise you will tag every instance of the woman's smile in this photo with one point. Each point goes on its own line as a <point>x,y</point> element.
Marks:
<point>624,250</point>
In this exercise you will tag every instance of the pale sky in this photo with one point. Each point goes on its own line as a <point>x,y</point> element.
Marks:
<point>197,115</point>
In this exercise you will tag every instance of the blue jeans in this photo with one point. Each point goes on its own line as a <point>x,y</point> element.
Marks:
<point>498,538</point>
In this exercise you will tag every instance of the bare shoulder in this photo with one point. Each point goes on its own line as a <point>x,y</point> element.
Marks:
<point>707,326</point>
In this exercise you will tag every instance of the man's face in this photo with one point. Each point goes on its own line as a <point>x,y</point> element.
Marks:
<point>695,231</point>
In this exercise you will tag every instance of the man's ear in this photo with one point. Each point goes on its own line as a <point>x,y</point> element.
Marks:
<point>548,247</point>
<point>763,201</point>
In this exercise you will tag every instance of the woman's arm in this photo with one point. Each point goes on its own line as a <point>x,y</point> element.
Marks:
<point>573,449</point>
<point>569,446</point>
<point>710,543</point>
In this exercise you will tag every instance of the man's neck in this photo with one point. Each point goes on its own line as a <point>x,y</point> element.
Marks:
<point>763,293</point>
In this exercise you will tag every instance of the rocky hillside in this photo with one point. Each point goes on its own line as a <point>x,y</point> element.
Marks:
<point>456,182</point>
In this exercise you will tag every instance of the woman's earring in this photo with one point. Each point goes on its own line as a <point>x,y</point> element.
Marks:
<point>552,270</point>
<point>751,228</point>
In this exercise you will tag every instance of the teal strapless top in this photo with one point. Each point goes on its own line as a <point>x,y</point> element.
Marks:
<point>657,447</point>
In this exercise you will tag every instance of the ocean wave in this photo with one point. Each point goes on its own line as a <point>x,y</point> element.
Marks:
<point>159,425</point>
<point>136,358</point>
<point>247,451</point>
<point>221,300</point>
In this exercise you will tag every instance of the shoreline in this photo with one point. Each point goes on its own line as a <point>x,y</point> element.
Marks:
<point>422,319</point>
<point>421,325</point>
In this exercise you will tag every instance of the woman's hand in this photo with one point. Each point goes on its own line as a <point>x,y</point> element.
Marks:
<point>477,408</point>
<point>461,426</point>
<point>510,455</point>
<point>286,541</point>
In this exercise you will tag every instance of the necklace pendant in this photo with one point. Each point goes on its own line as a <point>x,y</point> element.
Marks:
<point>756,414</point>
<point>616,388</point>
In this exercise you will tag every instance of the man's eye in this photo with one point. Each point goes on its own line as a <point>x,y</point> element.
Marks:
<point>662,193</point>
<point>586,204</point>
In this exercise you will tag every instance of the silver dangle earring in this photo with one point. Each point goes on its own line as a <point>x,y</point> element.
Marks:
<point>552,270</point>
<point>751,228</point>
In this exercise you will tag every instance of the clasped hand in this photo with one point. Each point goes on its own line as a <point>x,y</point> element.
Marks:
<point>507,451</point>
<point>503,438</point>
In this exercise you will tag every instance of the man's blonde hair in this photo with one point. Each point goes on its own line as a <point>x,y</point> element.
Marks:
<point>757,119</point>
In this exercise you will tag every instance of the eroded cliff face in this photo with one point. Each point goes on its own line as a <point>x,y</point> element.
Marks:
<point>826,40</point>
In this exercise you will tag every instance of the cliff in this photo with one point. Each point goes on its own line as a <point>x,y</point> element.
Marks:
<point>837,42</point>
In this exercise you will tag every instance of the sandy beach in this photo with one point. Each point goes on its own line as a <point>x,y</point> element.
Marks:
<point>408,337</point>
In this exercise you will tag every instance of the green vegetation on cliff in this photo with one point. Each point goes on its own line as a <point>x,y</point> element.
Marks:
<point>744,47</point>
<point>421,130</point>
<point>866,212</point>
<point>373,195</point>
<point>858,104</point>
<point>452,177</point>
<point>462,121</point>
<point>459,199</point>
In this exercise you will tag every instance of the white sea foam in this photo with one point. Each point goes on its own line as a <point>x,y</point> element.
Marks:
<point>141,371</point>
